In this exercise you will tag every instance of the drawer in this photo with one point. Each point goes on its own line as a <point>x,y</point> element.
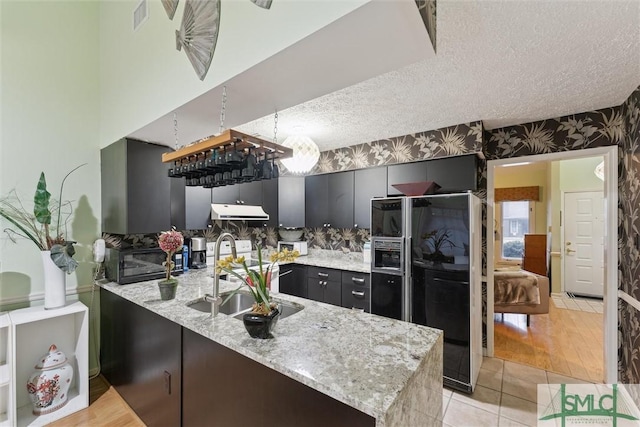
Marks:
<point>324,274</point>
<point>357,279</point>
<point>352,299</point>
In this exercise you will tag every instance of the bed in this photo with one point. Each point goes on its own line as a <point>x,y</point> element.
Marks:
<point>520,291</point>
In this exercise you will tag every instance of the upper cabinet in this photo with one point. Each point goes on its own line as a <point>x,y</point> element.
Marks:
<point>454,174</point>
<point>197,208</point>
<point>136,189</point>
<point>316,200</point>
<point>368,183</point>
<point>290,211</point>
<point>329,200</point>
<point>247,193</point>
<point>403,173</point>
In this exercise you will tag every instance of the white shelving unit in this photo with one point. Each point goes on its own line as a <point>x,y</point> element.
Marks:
<point>32,330</point>
<point>6,404</point>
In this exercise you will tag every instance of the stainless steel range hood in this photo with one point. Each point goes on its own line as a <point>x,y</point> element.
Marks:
<point>238,212</point>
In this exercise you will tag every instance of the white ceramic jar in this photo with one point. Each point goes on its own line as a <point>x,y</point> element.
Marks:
<point>48,386</point>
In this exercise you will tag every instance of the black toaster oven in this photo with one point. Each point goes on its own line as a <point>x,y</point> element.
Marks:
<point>132,265</point>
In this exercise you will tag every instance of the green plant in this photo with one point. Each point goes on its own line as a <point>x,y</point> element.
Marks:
<point>37,226</point>
<point>513,249</point>
<point>258,281</point>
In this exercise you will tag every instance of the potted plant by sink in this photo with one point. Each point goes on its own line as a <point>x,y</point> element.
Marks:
<point>170,242</point>
<point>262,318</point>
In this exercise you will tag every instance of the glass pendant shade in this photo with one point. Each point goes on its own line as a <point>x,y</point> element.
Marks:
<point>305,154</point>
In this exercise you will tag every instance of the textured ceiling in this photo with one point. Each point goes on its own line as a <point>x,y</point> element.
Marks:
<point>503,62</point>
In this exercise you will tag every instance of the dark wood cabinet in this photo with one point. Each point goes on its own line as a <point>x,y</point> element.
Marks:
<point>341,191</point>
<point>535,253</point>
<point>316,200</point>
<point>133,179</point>
<point>197,208</point>
<point>454,174</point>
<point>219,385</point>
<point>403,173</point>
<point>293,280</point>
<point>141,357</point>
<point>324,285</point>
<point>356,291</point>
<point>246,193</point>
<point>291,201</point>
<point>368,183</point>
<point>329,200</point>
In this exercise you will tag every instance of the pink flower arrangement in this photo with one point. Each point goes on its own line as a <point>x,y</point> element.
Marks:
<point>170,242</point>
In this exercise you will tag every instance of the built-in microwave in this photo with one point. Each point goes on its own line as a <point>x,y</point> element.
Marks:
<point>301,247</point>
<point>387,255</point>
<point>132,265</point>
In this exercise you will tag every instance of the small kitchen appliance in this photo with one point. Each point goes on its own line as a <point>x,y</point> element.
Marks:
<point>198,252</point>
<point>132,265</point>
<point>301,247</point>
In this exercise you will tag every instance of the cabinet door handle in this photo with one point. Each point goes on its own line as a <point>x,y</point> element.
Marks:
<point>357,279</point>
<point>355,225</point>
<point>361,310</point>
<point>285,273</point>
<point>167,382</point>
<point>357,294</point>
<point>323,274</point>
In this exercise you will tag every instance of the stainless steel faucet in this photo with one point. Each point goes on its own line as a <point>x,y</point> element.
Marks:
<point>215,299</point>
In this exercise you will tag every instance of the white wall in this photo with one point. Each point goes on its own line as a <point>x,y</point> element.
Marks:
<point>49,109</point>
<point>144,77</point>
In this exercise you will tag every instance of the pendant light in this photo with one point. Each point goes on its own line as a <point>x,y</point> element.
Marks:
<point>305,153</point>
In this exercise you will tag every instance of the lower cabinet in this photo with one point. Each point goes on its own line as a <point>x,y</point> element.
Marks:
<point>141,357</point>
<point>223,388</point>
<point>324,285</point>
<point>293,280</point>
<point>356,291</point>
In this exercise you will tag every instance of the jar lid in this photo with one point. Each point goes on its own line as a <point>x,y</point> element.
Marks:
<point>52,359</point>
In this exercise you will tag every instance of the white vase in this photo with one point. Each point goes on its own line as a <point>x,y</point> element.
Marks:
<point>55,289</point>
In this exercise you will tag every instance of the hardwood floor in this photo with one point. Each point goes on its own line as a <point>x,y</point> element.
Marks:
<point>106,408</point>
<point>568,342</point>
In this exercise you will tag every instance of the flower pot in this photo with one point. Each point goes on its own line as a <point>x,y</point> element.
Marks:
<point>168,288</point>
<point>259,325</point>
<point>55,289</point>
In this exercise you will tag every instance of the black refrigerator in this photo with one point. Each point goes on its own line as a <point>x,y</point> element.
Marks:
<point>440,272</point>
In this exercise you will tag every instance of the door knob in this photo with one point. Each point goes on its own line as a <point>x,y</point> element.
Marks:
<point>569,251</point>
<point>568,243</point>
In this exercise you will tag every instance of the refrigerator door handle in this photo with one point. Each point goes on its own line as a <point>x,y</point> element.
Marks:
<point>437,279</point>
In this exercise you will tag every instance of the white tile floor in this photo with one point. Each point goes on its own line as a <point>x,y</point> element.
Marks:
<point>577,303</point>
<point>505,395</point>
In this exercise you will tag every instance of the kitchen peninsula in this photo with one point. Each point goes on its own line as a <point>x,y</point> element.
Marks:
<point>324,364</point>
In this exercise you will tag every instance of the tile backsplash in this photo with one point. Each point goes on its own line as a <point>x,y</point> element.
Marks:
<point>337,239</point>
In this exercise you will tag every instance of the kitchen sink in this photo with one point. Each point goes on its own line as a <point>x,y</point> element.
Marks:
<point>241,303</point>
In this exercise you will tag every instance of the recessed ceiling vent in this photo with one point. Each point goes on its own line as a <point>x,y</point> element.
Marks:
<point>140,14</point>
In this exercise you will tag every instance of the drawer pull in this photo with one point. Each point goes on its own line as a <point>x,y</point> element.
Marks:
<point>357,294</point>
<point>323,274</point>
<point>437,279</point>
<point>361,310</point>
<point>357,279</point>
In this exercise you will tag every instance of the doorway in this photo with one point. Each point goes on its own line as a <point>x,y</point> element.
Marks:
<point>609,322</point>
<point>583,260</point>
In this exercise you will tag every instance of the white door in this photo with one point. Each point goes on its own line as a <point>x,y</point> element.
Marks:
<point>584,243</point>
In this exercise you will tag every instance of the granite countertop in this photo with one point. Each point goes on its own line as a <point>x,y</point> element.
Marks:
<point>365,361</point>
<point>350,261</point>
